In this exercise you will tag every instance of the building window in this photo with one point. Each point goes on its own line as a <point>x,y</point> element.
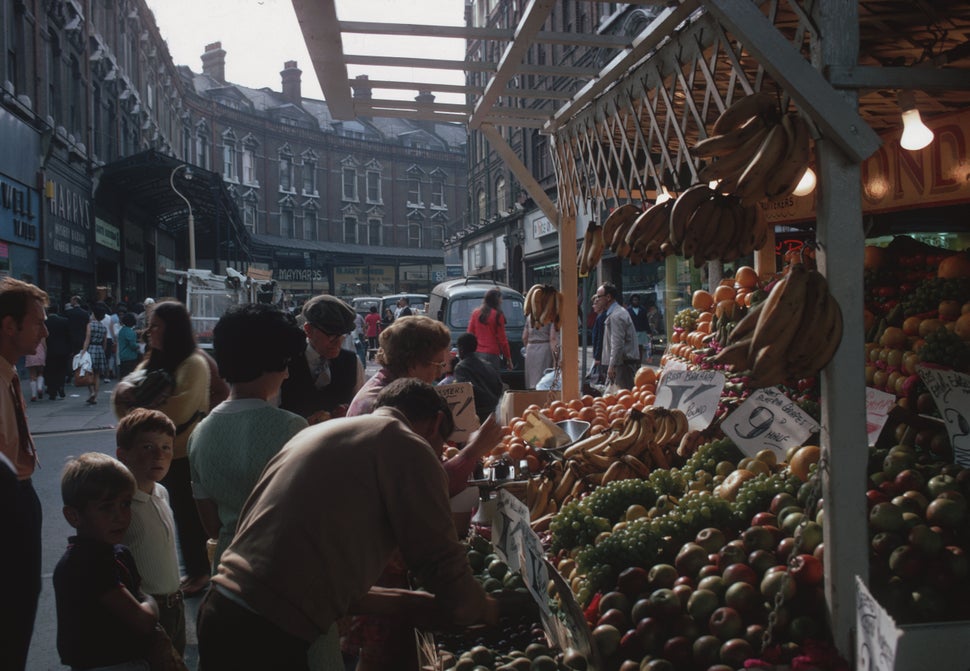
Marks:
<point>482,212</point>
<point>414,235</point>
<point>350,184</point>
<point>249,217</point>
<point>202,151</point>
<point>74,103</point>
<point>228,161</point>
<point>309,177</point>
<point>287,229</point>
<point>350,229</point>
<point>309,225</point>
<point>286,173</point>
<point>373,187</point>
<point>374,227</point>
<point>501,196</point>
<point>249,166</point>
<point>387,234</point>
<point>438,193</point>
<point>54,77</point>
<point>414,192</point>
<point>437,237</point>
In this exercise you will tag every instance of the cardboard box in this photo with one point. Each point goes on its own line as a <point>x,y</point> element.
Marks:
<point>514,403</point>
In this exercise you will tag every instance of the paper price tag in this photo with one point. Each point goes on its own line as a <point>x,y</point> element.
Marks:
<point>878,405</point>
<point>768,420</point>
<point>675,364</point>
<point>694,392</point>
<point>520,547</point>
<point>951,391</point>
<point>877,636</point>
<point>461,400</point>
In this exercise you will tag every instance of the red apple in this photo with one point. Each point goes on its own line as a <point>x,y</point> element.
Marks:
<point>807,570</point>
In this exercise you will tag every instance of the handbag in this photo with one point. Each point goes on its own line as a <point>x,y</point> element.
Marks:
<point>149,389</point>
<point>83,379</point>
<point>162,655</point>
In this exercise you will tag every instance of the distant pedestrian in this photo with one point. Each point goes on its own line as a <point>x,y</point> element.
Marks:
<point>129,354</point>
<point>34,363</point>
<point>372,329</point>
<point>95,342</point>
<point>487,324</point>
<point>485,380</point>
<point>641,323</point>
<point>541,351</point>
<point>58,353</point>
<point>620,352</point>
<point>78,318</point>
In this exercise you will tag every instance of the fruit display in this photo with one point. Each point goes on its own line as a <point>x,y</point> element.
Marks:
<point>759,153</point>
<point>543,305</point>
<point>792,333</point>
<point>707,225</point>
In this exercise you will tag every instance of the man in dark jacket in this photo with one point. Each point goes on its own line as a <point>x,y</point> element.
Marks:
<point>641,323</point>
<point>486,381</point>
<point>58,352</point>
<point>77,318</point>
<point>323,381</point>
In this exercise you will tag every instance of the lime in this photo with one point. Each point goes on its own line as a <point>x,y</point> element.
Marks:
<point>498,569</point>
<point>477,560</point>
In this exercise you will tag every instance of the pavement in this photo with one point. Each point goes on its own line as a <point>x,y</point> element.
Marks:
<point>71,413</point>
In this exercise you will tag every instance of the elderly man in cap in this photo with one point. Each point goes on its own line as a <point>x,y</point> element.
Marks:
<point>323,381</point>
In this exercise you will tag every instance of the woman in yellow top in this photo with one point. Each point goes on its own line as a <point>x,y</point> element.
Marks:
<point>172,349</point>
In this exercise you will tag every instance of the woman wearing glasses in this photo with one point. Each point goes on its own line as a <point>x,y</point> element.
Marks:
<point>253,345</point>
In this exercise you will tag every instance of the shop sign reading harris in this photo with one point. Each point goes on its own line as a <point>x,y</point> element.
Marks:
<point>69,231</point>
<point>897,179</point>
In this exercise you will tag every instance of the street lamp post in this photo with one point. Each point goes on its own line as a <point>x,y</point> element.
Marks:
<point>171,181</point>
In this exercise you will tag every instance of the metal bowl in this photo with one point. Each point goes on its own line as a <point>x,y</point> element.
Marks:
<point>576,429</point>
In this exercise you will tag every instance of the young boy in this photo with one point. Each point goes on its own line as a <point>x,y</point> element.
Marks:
<point>144,439</point>
<point>103,619</point>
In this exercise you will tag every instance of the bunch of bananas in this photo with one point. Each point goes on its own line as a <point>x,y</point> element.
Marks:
<point>706,225</point>
<point>647,440</point>
<point>792,333</point>
<point>591,250</point>
<point>543,305</point>
<point>758,154</point>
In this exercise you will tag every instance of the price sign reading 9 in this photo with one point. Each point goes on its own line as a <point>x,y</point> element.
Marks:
<point>768,420</point>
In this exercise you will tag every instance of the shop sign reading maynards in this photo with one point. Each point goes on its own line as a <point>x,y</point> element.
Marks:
<point>69,229</point>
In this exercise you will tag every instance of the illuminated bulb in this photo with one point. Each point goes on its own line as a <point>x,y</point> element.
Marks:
<point>664,195</point>
<point>712,185</point>
<point>915,133</point>
<point>806,185</point>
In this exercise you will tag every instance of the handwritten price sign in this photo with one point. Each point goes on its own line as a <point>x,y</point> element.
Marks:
<point>694,392</point>
<point>518,545</point>
<point>878,405</point>
<point>951,391</point>
<point>768,420</point>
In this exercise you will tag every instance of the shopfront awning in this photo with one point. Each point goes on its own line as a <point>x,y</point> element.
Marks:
<point>139,188</point>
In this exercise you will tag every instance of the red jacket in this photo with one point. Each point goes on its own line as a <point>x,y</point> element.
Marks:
<point>491,335</point>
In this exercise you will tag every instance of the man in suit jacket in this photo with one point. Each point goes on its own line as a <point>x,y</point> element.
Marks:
<point>77,318</point>
<point>58,352</point>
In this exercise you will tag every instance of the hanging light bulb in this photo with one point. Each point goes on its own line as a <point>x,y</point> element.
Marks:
<point>915,133</point>
<point>806,184</point>
<point>663,196</point>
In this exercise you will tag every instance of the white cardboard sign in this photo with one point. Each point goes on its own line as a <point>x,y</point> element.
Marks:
<point>461,400</point>
<point>694,392</point>
<point>520,547</point>
<point>877,637</point>
<point>878,405</point>
<point>675,364</point>
<point>768,420</point>
<point>951,391</point>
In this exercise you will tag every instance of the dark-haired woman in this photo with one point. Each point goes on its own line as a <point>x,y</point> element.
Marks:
<point>95,341</point>
<point>172,348</point>
<point>229,449</point>
<point>487,324</point>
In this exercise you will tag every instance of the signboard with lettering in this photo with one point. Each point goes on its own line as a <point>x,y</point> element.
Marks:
<point>541,226</point>
<point>951,391</point>
<point>521,549</point>
<point>461,400</point>
<point>19,213</point>
<point>69,226</point>
<point>878,405</point>
<point>695,392</point>
<point>107,235</point>
<point>877,636</point>
<point>768,420</point>
<point>895,179</point>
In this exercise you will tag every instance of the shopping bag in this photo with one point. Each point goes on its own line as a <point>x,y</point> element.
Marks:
<point>551,379</point>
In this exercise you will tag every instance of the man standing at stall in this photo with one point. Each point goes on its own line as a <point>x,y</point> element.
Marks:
<point>320,526</point>
<point>324,380</point>
<point>621,354</point>
<point>21,330</point>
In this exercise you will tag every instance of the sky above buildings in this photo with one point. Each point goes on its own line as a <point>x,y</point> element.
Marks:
<point>260,35</point>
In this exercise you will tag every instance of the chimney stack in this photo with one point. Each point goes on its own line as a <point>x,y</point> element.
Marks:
<point>214,62</point>
<point>426,124</point>
<point>292,91</point>
<point>362,89</point>
<point>424,97</point>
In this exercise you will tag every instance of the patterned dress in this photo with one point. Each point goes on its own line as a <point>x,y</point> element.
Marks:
<point>99,363</point>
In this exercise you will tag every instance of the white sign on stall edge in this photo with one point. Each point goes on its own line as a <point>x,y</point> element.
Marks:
<point>951,391</point>
<point>461,400</point>
<point>878,405</point>
<point>694,392</point>
<point>521,548</point>
<point>768,420</point>
<point>877,637</point>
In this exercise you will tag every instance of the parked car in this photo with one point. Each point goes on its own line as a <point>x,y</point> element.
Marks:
<point>417,302</point>
<point>363,304</point>
<point>453,301</point>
